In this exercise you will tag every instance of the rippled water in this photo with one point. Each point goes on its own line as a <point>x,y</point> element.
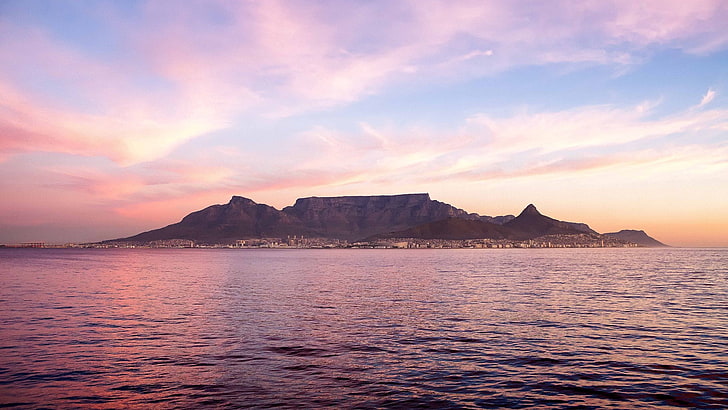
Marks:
<point>621,328</point>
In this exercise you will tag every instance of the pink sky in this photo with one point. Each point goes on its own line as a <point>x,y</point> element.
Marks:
<point>121,117</point>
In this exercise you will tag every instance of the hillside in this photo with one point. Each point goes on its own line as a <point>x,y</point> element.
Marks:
<point>353,218</point>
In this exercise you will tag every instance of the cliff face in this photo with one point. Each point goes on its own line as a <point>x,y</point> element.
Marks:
<point>359,217</point>
<point>346,217</point>
<point>356,217</point>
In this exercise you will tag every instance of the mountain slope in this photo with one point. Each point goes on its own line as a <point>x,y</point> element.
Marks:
<point>239,218</point>
<point>452,229</point>
<point>356,217</point>
<point>345,217</point>
<point>530,223</point>
<point>639,237</point>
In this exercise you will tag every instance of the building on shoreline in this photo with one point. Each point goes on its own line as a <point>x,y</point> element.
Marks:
<point>584,240</point>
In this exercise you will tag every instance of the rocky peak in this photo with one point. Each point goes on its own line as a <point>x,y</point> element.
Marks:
<point>530,210</point>
<point>353,218</point>
<point>239,200</point>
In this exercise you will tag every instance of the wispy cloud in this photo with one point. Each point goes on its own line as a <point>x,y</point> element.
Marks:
<point>568,141</point>
<point>707,98</point>
<point>73,104</point>
<point>182,72</point>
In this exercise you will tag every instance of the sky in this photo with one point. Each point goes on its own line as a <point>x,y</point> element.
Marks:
<point>118,117</point>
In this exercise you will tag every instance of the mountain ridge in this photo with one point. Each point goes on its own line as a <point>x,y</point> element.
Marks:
<point>341,217</point>
<point>353,218</point>
<point>529,224</point>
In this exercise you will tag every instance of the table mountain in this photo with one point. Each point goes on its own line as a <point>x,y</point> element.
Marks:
<point>354,218</point>
<point>344,217</point>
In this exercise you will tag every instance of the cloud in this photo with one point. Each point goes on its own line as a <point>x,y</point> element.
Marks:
<point>582,127</point>
<point>176,73</point>
<point>528,144</point>
<point>55,98</point>
<point>707,98</point>
<point>529,149</point>
<point>124,137</point>
<point>570,142</point>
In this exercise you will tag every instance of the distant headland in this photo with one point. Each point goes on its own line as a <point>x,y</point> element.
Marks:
<point>399,221</point>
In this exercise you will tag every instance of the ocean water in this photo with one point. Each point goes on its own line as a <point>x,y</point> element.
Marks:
<point>191,328</point>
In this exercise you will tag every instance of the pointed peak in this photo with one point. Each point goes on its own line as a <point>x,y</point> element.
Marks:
<point>530,210</point>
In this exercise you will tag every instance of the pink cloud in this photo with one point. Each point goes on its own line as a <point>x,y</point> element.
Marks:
<point>180,73</point>
<point>296,56</point>
<point>161,207</point>
<point>214,63</point>
<point>694,26</point>
<point>90,107</point>
<point>163,211</point>
<point>573,141</point>
<point>125,137</point>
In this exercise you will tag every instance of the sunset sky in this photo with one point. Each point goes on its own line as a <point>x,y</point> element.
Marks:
<point>118,117</point>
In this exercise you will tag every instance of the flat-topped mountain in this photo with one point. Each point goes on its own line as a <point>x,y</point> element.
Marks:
<point>345,217</point>
<point>354,218</point>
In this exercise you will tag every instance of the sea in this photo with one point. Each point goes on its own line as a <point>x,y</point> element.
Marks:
<point>364,328</point>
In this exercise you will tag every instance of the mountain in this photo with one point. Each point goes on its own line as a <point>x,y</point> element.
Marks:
<point>344,217</point>
<point>239,218</point>
<point>639,237</point>
<point>356,217</point>
<point>498,220</point>
<point>530,224</point>
<point>452,229</point>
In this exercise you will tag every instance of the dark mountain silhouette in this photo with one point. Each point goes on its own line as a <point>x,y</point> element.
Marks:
<point>498,220</point>
<point>239,218</point>
<point>634,236</point>
<point>358,217</point>
<point>454,229</point>
<point>345,217</point>
<point>529,224</point>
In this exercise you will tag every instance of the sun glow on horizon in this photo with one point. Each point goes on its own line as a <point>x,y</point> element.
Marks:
<point>126,116</point>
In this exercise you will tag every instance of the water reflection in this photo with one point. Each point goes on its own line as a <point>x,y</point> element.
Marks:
<point>364,328</point>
